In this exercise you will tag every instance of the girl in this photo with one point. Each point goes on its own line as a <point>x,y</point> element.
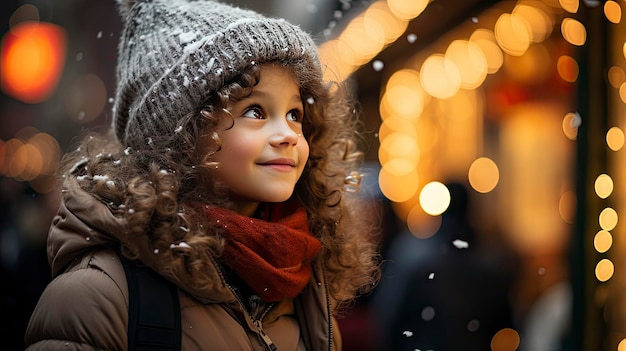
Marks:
<point>224,172</point>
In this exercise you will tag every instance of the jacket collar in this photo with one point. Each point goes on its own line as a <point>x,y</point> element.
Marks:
<point>83,223</point>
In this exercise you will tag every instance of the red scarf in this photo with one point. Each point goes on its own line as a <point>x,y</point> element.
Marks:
<point>272,257</point>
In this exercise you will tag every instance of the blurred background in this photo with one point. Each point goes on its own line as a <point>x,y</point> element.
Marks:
<point>494,134</point>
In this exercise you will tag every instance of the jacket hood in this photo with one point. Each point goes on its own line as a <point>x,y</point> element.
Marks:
<point>83,223</point>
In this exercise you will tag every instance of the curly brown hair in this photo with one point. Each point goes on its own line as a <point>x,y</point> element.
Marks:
<point>152,187</point>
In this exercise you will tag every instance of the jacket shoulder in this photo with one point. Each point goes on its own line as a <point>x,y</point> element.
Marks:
<point>86,307</point>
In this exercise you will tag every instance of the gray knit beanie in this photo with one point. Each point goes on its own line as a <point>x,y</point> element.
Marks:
<point>173,54</point>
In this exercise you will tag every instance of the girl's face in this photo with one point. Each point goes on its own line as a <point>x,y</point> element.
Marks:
<point>264,153</point>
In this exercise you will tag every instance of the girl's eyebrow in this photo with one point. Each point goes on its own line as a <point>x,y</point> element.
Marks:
<point>260,94</point>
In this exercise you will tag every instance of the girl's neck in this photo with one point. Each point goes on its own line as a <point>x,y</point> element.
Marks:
<point>244,207</point>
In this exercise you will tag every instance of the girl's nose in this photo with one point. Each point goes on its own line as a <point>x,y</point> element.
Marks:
<point>283,133</point>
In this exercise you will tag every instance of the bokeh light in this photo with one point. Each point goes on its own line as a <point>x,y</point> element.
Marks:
<point>540,23</point>
<point>404,96</point>
<point>407,10</point>
<point>567,67</point>
<point>379,12</point>
<point>86,98</point>
<point>434,198</point>
<point>604,270</point>
<point>570,6</point>
<point>422,225</point>
<point>603,186</point>
<point>470,61</point>
<point>486,41</point>
<point>30,155</point>
<point>440,77</point>
<point>513,34</point>
<point>398,188</point>
<point>483,175</point>
<point>573,31</point>
<point>612,11</point>
<point>399,153</point>
<point>608,219</point>
<point>615,138</point>
<point>570,125</point>
<point>602,241</point>
<point>616,75</point>
<point>506,339</point>
<point>622,92</point>
<point>33,55</point>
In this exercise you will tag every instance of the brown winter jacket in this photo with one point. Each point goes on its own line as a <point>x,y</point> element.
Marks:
<point>85,307</point>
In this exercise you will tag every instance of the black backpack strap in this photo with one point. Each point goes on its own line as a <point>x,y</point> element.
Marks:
<point>153,312</point>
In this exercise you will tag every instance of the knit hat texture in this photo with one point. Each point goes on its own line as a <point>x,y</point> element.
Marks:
<point>173,54</point>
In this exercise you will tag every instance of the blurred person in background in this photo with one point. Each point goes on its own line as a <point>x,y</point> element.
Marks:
<point>446,292</point>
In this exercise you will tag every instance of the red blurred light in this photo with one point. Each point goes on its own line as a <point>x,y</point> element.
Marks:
<point>33,54</point>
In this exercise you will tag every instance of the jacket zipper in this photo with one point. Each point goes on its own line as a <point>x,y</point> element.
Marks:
<point>257,320</point>
<point>269,344</point>
<point>330,317</point>
<point>258,324</point>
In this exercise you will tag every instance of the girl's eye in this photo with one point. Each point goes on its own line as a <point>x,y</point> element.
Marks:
<point>253,112</point>
<point>294,116</point>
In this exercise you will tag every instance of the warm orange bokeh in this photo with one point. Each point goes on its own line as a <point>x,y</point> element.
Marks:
<point>32,60</point>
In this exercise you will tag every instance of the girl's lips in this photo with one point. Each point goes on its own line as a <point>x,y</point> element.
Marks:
<point>279,162</point>
<point>278,167</point>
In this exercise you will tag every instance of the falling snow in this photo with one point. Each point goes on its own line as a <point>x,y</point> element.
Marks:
<point>577,120</point>
<point>378,65</point>
<point>411,38</point>
<point>460,244</point>
<point>407,333</point>
<point>181,244</point>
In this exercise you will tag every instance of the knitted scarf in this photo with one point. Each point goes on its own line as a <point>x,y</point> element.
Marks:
<point>273,255</point>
